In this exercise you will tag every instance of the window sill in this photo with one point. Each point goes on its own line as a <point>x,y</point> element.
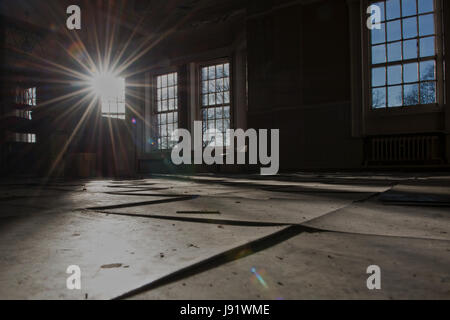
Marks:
<point>409,110</point>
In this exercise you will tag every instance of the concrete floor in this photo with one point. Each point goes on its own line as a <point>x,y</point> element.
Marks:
<point>297,236</point>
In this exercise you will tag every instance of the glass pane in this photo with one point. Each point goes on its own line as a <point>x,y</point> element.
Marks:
<point>219,85</point>
<point>427,47</point>
<point>219,125</point>
<point>204,74</point>
<point>226,97</point>
<point>394,51</point>
<point>410,49</point>
<point>212,86</point>
<point>211,113</point>
<point>427,70</point>
<point>205,100</point>
<point>212,99</point>
<point>409,7</point>
<point>227,69</point>
<point>379,35</point>
<point>219,98</point>
<point>378,54</point>
<point>219,70</point>
<point>427,92</point>
<point>379,98</point>
<point>381,6</point>
<point>170,79</point>
<point>394,74</point>
<point>212,72</point>
<point>219,113</point>
<point>394,30</point>
<point>395,96</point>
<point>204,86</point>
<point>226,112</point>
<point>226,84</point>
<point>410,72</point>
<point>426,6</point>
<point>378,77</point>
<point>426,25</point>
<point>411,94</point>
<point>392,9</point>
<point>410,27</point>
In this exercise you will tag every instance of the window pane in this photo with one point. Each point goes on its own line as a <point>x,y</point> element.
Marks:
<point>427,70</point>
<point>379,54</point>
<point>410,49</point>
<point>427,92</point>
<point>394,74</point>
<point>394,30</point>
<point>379,35</point>
<point>426,6</point>
<point>211,114</point>
<point>204,73</point>
<point>226,112</point>
<point>212,72</point>
<point>410,72</point>
<point>395,96</point>
<point>219,70</point>
<point>394,51</point>
<point>227,69</point>
<point>219,98</point>
<point>392,9</point>
<point>378,77</point>
<point>379,98</point>
<point>411,94</point>
<point>219,85</point>
<point>226,97</point>
<point>427,47</point>
<point>426,25</point>
<point>409,7</point>
<point>410,27</point>
<point>381,6</point>
<point>212,99</point>
<point>211,86</point>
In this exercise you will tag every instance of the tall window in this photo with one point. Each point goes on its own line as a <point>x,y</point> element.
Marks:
<point>113,97</point>
<point>25,114</point>
<point>24,137</point>
<point>166,109</point>
<point>404,55</point>
<point>26,96</point>
<point>215,102</point>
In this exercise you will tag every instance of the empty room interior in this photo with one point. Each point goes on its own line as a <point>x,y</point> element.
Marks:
<point>224,149</point>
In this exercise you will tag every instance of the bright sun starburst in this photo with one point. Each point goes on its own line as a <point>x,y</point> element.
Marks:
<point>106,84</point>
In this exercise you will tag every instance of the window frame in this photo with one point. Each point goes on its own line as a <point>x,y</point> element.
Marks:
<point>438,106</point>
<point>198,91</point>
<point>153,79</point>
